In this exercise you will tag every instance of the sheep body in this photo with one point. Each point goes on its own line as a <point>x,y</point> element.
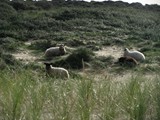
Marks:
<point>55,51</point>
<point>129,61</point>
<point>134,54</point>
<point>56,72</point>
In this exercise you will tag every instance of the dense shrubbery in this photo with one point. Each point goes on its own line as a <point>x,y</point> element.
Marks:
<point>82,19</point>
<point>6,11</point>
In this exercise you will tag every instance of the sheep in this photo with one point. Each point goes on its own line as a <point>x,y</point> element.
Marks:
<point>55,51</point>
<point>129,61</point>
<point>56,72</point>
<point>134,54</point>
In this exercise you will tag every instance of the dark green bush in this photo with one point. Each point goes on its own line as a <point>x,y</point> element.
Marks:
<point>75,60</point>
<point>154,7</point>
<point>42,45</point>
<point>137,5</point>
<point>4,25</point>
<point>157,45</point>
<point>9,44</point>
<point>7,60</point>
<point>80,13</point>
<point>76,43</point>
<point>2,64</point>
<point>7,33</point>
<point>43,4</point>
<point>66,15</point>
<point>6,11</point>
<point>22,5</point>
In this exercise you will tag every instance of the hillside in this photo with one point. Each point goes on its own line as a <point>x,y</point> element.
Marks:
<point>94,25</point>
<point>95,35</point>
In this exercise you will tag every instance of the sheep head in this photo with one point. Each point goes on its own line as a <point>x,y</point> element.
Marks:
<point>126,50</point>
<point>48,65</point>
<point>62,49</point>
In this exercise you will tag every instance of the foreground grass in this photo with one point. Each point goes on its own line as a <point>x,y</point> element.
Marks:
<point>31,96</point>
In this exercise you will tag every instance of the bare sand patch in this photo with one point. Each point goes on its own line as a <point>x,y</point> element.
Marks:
<point>25,55</point>
<point>114,51</point>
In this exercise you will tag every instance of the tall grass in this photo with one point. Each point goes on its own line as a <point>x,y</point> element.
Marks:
<point>136,99</point>
<point>157,99</point>
<point>29,95</point>
<point>85,99</point>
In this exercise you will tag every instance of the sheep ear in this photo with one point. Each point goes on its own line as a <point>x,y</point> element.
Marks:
<point>126,49</point>
<point>62,45</point>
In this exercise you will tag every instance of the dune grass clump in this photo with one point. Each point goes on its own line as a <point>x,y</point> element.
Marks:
<point>9,44</point>
<point>42,45</point>
<point>8,61</point>
<point>76,59</point>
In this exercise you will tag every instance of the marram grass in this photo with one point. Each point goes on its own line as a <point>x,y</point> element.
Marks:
<point>29,95</point>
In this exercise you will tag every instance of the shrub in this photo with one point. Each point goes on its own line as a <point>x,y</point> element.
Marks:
<point>7,33</point>
<point>6,11</point>
<point>2,64</point>
<point>75,59</point>
<point>4,24</point>
<point>22,5</point>
<point>42,45</point>
<point>75,43</point>
<point>43,4</point>
<point>66,15</point>
<point>9,44</point>
<point>7,60</point>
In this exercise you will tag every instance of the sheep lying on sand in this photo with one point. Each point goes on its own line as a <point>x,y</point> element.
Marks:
<point>134,54</point>
<point>55,51</point>
<point>129,61</point>
<point>56,72</point>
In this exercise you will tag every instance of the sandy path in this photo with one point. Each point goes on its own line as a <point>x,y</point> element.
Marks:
<point>25,55</point>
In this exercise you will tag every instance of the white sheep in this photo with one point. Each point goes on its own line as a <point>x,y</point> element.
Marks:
<point>55,51</point>
<point>134,54</point>
<point>56,72</point>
